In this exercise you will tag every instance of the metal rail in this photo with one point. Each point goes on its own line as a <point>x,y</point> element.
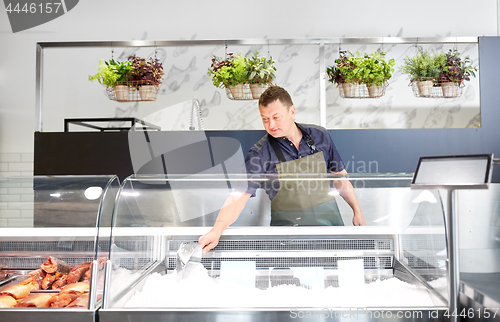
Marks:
<point>320,42</point>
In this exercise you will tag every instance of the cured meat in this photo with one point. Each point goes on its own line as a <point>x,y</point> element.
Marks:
<point>34,300</point>
<point>86,277</point>
<point>48,280</point>
<point>81,301</point>
<point>17,291</point>
<point>77,272</point>
<point>60,282</point>
<point>61,300</point>
<point>7,301</point>
<point>75,288</point>
<point>54,265</point>
<point>38,275</point>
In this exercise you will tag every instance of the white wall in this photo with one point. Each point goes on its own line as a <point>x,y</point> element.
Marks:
<point>170,20</point>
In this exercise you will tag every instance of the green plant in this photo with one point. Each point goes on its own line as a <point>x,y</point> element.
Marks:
<point>111,72</point>
<point>343,71</point>
<point>228,72</point>
<point>374,69</point>
<point>149,70</point>
<point>456,69</point>
<point>260,70</point>
<point>424,64</point>
<point>367,69</point>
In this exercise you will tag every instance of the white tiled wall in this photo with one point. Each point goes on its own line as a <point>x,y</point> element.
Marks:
<point>16,199</point>
<point>16,164</point>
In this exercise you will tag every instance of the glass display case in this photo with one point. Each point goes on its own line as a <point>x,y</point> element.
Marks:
<point>394,267</point>
<point>54,242</point>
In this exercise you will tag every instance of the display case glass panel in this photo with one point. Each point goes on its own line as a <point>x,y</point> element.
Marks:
<point>258,267</point>
<point>54,242</point>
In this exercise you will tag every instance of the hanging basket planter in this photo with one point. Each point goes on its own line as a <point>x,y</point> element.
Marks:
<point>430,87</point>
<point>360,89</point>
<point>239,92</point>
<point>134,80</point>
<point>245,91</point>
<point>133,91</point>
<point>253,75</point>
<point>359,76</point>
<point>258,89</point>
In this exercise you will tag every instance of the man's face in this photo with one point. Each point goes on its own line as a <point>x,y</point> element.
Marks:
<point>277,119</point>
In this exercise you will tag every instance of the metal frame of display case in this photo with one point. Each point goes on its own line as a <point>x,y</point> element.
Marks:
<point>320,42</point>
<point>182,234</point>
<point>23,249</point>
<point>451,224</point>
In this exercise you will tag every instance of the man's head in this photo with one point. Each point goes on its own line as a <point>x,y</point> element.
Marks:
<point>277,112</point>
<point>273,93</point>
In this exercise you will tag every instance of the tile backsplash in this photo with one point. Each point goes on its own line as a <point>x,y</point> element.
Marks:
<point>16,164</point>
<point>16,200</point>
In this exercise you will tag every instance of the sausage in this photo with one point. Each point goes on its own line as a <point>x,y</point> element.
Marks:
<point>77,272</point>
<point>60,282</point>
<point>47,281</point>
<point>38,275</point>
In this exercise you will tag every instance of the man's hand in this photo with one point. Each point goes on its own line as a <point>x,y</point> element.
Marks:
<point>209,241</point>
<point>358,220</point>
<point>228,214</point>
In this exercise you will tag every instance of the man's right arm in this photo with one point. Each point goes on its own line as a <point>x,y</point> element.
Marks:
<point>228,214</point>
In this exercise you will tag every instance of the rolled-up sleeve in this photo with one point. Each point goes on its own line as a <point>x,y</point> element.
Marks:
<point>254,167</point>
<point>335,162</point>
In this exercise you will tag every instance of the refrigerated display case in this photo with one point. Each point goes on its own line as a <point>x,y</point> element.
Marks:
<point>54,241</point>
<point>394,265</point>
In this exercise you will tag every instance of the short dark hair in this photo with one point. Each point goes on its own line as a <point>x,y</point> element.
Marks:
<point>273,93</point>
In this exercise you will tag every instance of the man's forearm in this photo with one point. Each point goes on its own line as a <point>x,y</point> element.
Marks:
<point>230,211</point>
<point>346,191</point>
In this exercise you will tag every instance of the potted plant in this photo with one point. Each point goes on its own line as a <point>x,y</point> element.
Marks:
<point>110,73</point>
<point>261,72</point>
<point>374,71</point>
<point>455,72</point>
<point>342,73</point>
<point>230,73</point>
<point>424,69</point>
<point>361,76</point>
<point>146,76</point>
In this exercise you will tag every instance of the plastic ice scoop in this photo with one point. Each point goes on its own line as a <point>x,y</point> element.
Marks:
<point>188,252</point>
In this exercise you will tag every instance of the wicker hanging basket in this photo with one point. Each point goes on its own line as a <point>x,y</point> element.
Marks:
<point>430,87</point>
<point>133,91</point>
<point>359,89</point>
<point>245,91</point>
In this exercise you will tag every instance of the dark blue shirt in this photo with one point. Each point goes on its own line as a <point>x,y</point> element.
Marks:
<point>262,159</point>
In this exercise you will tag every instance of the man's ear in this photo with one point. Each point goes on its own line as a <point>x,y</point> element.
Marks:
<point>292,110</point>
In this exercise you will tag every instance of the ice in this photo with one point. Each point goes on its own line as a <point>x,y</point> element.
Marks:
<point>196,289</point>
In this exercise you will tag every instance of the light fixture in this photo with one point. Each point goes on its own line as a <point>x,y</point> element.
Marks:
<point>92,193</point>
